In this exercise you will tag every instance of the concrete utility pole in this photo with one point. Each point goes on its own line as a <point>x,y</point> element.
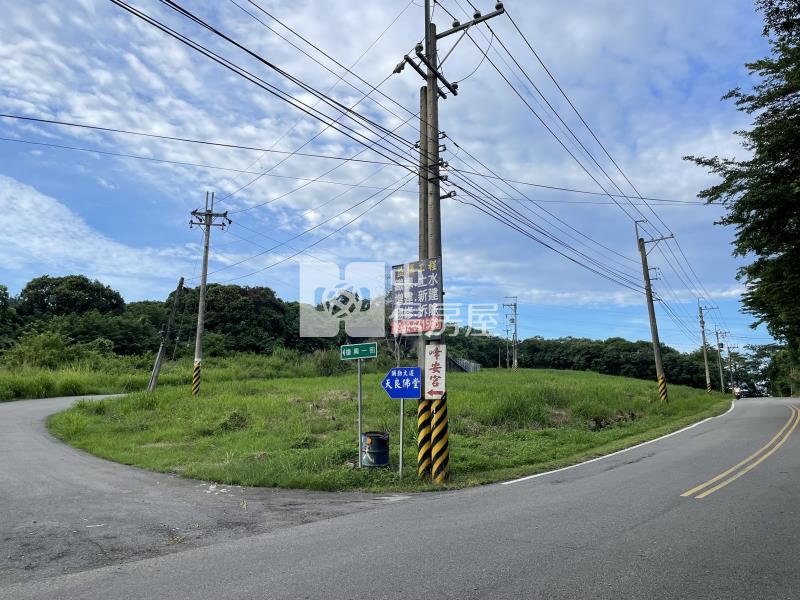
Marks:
<point>731,366</point>
<point>423,201</point>
<point>719,361</point>
<point>426,64</point>
<point>513,307</point>
<point>648,291</point>
<point>165,333</point>
<point>205,219</point>
<point>440,436</point>
<point>508,351</point>
<point>705,346</point>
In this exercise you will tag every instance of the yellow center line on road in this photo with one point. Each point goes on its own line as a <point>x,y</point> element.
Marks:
<point>791,424</point>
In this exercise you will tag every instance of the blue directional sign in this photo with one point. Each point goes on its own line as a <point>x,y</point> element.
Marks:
<point>403,382</point>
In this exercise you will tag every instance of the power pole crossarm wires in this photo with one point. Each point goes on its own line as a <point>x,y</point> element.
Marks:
<point>205,219</point>
<point>432,439</point>
<point>648,290</point>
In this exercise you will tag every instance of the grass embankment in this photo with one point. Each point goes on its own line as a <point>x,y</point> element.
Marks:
<point>125,374</point>
<point>301,433</point>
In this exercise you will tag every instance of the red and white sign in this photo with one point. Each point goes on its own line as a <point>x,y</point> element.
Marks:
<point>435,367</point>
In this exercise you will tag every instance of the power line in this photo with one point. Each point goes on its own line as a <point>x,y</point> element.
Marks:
<point>506,220</point>
<point>243,72</point>
<point>605,150</point>
<point>319,241</point>
<point>189,140</point>
<point>545,125</point>
<point>288,153</point>
<point>340,78</point>
<point>345,130</point>
<point>312,228</point>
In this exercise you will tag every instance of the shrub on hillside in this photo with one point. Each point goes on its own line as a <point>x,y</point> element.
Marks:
<point>50,350</point>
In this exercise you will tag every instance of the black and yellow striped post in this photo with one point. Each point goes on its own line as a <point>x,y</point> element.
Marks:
<point>662,389</point>
<point>708,388</point>
<point>424,439</point>
<point>196,378</point>
<point>440,442</point>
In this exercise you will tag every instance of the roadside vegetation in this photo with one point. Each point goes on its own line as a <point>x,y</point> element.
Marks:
<point>301,432</point>
<point>71,335</point>
<point>89,371</point>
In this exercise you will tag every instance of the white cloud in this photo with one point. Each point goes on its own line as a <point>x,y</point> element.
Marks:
<point>647,76</point>
<point>46,236</point>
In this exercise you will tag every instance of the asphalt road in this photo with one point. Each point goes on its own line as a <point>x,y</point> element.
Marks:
<point>711,512</point>
<point>62,510</point>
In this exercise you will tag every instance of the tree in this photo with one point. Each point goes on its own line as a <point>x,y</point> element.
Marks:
<point>153,311</point>
<point>128,333</point>
<point>762,194</point>
<point>8,319</point>
<point>74,294</point>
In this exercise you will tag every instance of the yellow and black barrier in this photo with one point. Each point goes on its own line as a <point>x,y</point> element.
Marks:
<point>708,388</point>
<point>662,389</point>
<point>424,439</point>
<point>196,379</point>
<point>440,443</point>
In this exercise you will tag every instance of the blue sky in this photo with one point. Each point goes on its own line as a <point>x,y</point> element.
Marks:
<point>648,77</point>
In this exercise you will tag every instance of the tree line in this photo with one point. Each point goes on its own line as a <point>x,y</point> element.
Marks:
<point>761,193</point>
<point>57,317</point>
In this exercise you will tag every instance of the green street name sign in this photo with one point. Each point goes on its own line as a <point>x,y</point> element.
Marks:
<point>356,351</point>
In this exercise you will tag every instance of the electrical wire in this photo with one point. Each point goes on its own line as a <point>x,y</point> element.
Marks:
<point>322,239</point>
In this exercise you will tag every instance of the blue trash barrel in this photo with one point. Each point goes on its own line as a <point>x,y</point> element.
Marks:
<point>375,449</point>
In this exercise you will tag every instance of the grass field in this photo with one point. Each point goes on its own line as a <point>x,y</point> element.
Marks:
<point>301,432</point>
<point>125,374</point>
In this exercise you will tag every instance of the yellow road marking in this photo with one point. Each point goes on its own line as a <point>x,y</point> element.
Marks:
<point>756,463</point>
<point>793,417</point>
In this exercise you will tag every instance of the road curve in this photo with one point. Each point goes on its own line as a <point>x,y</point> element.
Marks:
<point>63,510</point>
<point>621,527</point>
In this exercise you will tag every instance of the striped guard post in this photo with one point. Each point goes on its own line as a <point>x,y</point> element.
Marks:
<point>440,443</point>
<point>708,388</point>
<point>196,379</point>
<point>662,389</point>
<point>424,439</point>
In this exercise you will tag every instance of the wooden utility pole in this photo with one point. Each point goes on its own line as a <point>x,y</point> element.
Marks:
<point>205,219</point>
<point>648,292</point>
<point>165,333</point>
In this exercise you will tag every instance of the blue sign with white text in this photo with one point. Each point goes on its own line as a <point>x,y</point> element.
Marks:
<point>403,382</point>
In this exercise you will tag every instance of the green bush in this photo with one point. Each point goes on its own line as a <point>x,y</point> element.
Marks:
<point>328,363</point>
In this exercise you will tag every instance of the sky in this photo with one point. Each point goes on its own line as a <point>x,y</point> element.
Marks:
<point>646,76</point>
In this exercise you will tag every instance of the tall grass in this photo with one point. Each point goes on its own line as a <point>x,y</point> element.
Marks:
<point>123,374</point>
<point>301,432</point>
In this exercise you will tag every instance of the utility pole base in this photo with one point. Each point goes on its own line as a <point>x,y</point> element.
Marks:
<point>440,443</point>
<point>662,389</point>
<point>424,439</point>
<point>196,379</point>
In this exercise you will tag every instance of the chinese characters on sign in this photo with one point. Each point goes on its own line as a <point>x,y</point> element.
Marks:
<point>435,368</point>
<point>356,351</point>
<point>416,292</point>
<point>403,382</point>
